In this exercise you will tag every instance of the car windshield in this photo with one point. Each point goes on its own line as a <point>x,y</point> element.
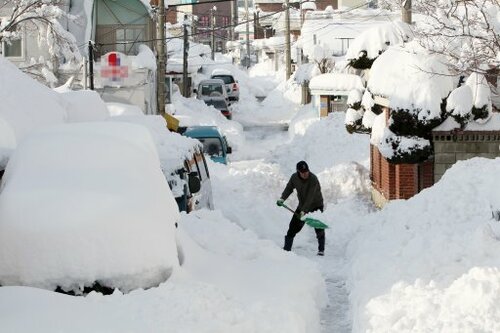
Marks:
<point>217,103</point>
<point>211,89</point>
<point>211,146</point>
<point>226,78</point>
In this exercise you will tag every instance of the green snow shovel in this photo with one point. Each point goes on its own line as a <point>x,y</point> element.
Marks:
<point>317,224</point>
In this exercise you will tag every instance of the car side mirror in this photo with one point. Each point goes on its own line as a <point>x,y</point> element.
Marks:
<point>229,150</point>
<point>194,182</point>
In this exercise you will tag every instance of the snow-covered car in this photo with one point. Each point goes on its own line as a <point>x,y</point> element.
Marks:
<point>214,142</point>
<point>220,104</point>
<point>212,88</point>
<point>182,162</point>
<point>86,207</point>
<point>232,86</point>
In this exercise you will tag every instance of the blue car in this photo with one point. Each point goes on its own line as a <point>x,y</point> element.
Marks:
<point>214,143</point>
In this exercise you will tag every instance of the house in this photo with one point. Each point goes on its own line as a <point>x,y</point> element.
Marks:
<point>220,13</point>
<point>336,30</point>
<point>122,33</point>
<point>330,91</point>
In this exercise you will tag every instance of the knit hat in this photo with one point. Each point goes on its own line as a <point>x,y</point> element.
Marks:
<point>302,166</point>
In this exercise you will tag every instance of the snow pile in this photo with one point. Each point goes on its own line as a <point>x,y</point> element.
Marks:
<point>193,112</point>
<point>85,105</point>
<point>104,214</point>
<point>144,59</point>
<point>230,281</point>
<point>120,109</point>
<point>325,143</point>
<point>26,105</point>
<point>172,147</point>
<point>431,263</point>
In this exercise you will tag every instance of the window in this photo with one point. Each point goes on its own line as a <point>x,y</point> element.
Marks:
<point>13,49</point>
<point>128,39</point>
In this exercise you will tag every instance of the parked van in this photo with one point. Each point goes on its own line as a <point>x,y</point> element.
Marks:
<point>182,162</point>
<point>190,182</point>
<point>212,88</point>
<point>214,142</point>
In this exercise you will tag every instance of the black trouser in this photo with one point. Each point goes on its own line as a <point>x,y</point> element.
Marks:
<point>296,225</point>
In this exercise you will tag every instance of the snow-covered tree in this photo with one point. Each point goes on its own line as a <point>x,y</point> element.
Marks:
<point>42,19</point>
<point>372,42</point>
<point>467,32</point>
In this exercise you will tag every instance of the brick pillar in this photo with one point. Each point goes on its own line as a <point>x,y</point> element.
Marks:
<point>406,181</point>
<point>388,179</point>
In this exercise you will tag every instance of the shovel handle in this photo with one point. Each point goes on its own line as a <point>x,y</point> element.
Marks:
<point>288,208</point>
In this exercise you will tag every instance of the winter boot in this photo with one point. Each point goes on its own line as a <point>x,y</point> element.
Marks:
<point>288,243</point>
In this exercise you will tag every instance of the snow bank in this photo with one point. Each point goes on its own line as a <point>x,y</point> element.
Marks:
<point>85,105</point>
<point>326,142</point>
<point>120,109</point>
<point>172,147</point>
<point>192,112</point>
<point>231,281</point>
<point>86,202</point>
<point>431,262</point>
<point>26,104</point>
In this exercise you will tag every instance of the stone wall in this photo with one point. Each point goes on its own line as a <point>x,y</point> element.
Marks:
<point>450,147</point>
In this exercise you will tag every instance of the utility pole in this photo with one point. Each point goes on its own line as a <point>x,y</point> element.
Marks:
<point>212,25</point>
<point>247,28</point>
<point>234,20</point>
<point>288,56</point>
<point>406,11</point>
<point>185,88</point>
<point>161,54</point>
<point>91,65</point>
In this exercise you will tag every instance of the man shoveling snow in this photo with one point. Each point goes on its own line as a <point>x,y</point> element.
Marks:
<point>310,199</point>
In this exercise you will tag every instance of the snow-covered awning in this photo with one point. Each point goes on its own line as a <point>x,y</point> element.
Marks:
<point>335,84</point>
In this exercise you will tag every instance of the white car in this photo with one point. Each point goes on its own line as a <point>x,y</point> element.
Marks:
<point>212,88</point>
<point>86,207</point>
<point>232,86</point>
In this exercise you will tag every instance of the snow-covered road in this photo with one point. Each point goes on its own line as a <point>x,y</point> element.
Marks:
<point>259,162</point>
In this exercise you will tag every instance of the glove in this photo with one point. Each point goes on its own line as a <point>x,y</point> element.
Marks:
<point>280,202</point>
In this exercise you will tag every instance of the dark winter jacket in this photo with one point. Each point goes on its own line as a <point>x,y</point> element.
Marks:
<point>308,192</point>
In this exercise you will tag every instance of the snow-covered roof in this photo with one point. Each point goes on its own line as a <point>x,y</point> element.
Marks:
<point>411,79</point>
<point>308,5</point>
<point>378,38</point>
<point>272,43</point>
<point>329,29</point>
<point>334,82</point>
